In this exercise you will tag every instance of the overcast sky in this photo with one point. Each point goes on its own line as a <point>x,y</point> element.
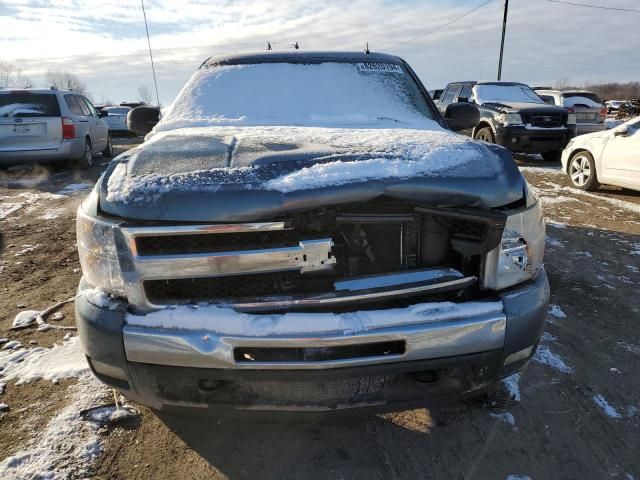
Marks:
<point>104,42</point>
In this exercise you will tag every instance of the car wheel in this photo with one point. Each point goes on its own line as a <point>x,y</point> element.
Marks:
<point>554,156</point>
<point>108,150</point>
<point>582,171</point>
<point>86,161</point>
<point>485,135</point>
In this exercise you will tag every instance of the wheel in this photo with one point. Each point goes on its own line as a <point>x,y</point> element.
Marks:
<point>108,150</point>
<point>552,156</point>
<point>485,135</point>
<point>582,171</point>
<point>86,161</point>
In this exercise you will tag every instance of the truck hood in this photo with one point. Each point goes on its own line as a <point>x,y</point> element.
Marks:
<point>504,106</point>
<point>228,174</point>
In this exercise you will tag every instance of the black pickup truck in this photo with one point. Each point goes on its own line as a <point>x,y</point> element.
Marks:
<point>514,116</point>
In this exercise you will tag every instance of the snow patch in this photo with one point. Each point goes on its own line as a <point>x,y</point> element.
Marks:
<point>25,318</point>
<point>512,384</point>
<point>556,311</point>
<point>505,417</point>
<point>52,213</point>
<point>100,298</point>
<point>605,406</point>
<point>67,445</point>
<point>62,361</point>
<point>74,187</point>
<point>7,209</point>
<point>517,476</point>
<point>544,356</point>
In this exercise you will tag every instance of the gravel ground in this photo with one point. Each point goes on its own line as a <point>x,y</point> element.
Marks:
<point>579,415</point>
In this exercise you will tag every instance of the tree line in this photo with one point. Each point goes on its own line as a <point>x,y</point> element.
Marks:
<point>12,77</point>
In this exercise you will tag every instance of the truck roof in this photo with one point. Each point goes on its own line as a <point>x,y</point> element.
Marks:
<point>298,56</point>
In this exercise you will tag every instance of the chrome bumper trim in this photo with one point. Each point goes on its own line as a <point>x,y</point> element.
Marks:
<point>424,339</point>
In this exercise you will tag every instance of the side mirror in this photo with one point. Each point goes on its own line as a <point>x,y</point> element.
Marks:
<point>142,119</point>
<point>621,132</point>
<point>102,114</point>
<point>462,116</point>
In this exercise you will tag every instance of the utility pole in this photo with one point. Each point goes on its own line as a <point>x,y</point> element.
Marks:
<point>504,30</point>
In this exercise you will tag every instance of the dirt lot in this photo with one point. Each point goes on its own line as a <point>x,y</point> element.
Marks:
<point>579,415</point>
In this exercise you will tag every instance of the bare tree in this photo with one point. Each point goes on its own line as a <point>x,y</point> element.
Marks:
<point>65,81</point>
<point>12,77</point>
<point>144,94</point>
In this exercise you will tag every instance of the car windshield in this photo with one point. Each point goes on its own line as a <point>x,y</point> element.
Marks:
<point>319,94</point>
<point>26,104</point>
<point>486,93</point>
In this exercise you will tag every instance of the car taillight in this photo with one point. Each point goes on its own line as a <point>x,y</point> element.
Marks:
<point>68,129</point>
<point>571,110</point>
<point>604,111</point>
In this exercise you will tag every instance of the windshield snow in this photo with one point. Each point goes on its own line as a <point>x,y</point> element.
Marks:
<point>327,94</point>
<point>505,93</point>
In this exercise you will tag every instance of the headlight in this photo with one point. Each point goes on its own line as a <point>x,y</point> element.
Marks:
<point>98,254</point>
<point>520,253</point>
<point>510,118</point>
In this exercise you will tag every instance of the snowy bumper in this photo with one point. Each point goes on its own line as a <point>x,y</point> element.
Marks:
<point>311,361</point>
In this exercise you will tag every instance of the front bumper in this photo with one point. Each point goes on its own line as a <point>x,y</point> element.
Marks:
<point>518,138</point>
<point>68,150</point>
<point>445,356</point>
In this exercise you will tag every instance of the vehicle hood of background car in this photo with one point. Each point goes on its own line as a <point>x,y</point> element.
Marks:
<point>505,107</point>
<point>226,174</point>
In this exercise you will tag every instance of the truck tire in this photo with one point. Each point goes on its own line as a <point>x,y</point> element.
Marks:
<point>552,156</point>
<point>484,134</point>
<point>582,171</point>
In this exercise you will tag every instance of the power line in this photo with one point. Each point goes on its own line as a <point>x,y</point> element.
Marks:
<point>440,27</point>
<point>595,6</point>
<point>153,68</point>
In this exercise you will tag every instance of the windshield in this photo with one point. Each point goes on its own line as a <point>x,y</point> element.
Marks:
<point>323,94</point>
<point>26,104</point>
<point>117,111</point>
<point>486,93</point>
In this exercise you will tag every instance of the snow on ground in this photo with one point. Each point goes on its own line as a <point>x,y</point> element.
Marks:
<point>52,213</point>
<point>62,361</point>
<point>512,384</point>
<point>67,445</point>
<point>544,356</point>
<point>505,417</point>
<point>10,204</point>
<point>69,442</point>
<point>556,311</point>
<point>74,187</point>
<point>605,406</point>
<point>228,321</point>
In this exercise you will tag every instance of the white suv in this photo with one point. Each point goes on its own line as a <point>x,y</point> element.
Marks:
<point>39,125</point>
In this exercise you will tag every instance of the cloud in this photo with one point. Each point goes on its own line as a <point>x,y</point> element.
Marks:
<point>104,42</point>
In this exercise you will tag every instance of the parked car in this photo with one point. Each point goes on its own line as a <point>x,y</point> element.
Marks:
<point>589,110</point>
<point>514,116</point>
<point>610,157</point>
<point>324,243</point>
<point>38,125</point>
<point>614,105</point>
<point>117,120</point>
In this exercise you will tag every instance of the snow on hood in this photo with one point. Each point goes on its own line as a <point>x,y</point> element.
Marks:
<point>287,159</point>
<point>213,168</point>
